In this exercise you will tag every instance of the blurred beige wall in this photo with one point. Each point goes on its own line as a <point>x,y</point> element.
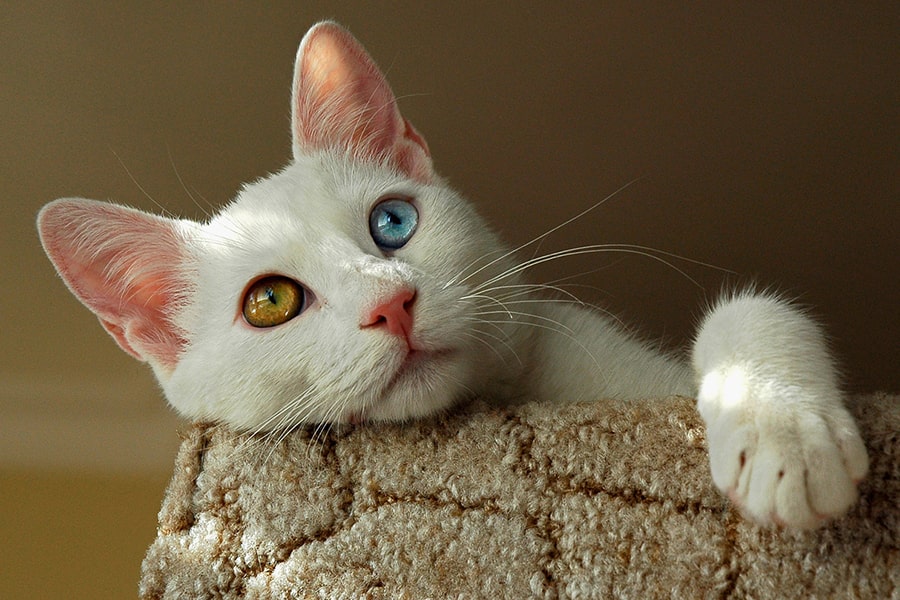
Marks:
<point>767,137</point>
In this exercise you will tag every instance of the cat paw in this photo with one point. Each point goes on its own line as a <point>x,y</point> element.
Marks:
<point>783,459</point>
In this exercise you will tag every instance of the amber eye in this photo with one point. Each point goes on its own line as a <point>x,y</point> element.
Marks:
<point>273,300</point>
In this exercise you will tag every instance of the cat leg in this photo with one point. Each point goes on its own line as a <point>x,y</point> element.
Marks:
<point>782,445</point>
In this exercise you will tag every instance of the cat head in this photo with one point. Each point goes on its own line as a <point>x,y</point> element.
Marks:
<point>351,285</point>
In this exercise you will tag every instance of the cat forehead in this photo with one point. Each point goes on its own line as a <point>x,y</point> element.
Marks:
<point>315,208</point>
<point>316,191</point>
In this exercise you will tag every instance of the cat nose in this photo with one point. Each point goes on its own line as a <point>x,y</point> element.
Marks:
<point>395,314</point>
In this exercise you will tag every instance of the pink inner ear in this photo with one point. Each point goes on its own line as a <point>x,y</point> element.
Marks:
<point>341,101</point>
<point>126,267</point>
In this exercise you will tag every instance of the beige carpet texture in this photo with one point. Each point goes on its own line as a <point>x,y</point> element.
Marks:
<point>600,500</point>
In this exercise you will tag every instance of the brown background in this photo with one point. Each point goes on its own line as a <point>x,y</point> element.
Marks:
<point>766,136</point>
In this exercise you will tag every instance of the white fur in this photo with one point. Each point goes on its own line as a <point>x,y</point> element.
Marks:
<point>782,445</point>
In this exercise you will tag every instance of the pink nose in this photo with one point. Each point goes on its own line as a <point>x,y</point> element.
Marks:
<point>395,313</point>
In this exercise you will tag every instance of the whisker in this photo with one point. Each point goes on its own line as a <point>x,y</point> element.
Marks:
<point>274,429</point>
<point>453,280</point>
<point>283,414</point>
<point>146,194</point>
<point>514,313</point>
<point>525,289</point>
<point>494,337</point>
<point>644,251</point>
<point>488,298</point>
<point>570,336</point>
<point>209,209</point>
<point>556,228</point>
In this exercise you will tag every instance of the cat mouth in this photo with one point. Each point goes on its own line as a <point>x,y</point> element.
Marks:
<point>417,361</point>
<point>414,377</point>
<point>416,367</point>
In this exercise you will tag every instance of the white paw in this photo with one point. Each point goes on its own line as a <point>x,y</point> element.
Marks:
<point>782,457</point>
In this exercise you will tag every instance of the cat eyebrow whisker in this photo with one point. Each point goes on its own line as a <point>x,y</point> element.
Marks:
<point>209,209</point>
<point>415,95</point>
<point>146,194</point>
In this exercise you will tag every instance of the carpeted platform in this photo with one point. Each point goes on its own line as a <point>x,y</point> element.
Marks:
<point>598,500</point>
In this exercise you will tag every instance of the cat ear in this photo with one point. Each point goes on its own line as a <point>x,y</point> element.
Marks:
<point>127,267</point>
<point>342,101</point>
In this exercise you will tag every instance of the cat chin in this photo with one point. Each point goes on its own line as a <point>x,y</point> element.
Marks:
<point>419,385</point>
<point>424,383</point>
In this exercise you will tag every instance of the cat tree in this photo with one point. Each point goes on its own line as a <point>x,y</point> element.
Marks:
<point>578,501</point>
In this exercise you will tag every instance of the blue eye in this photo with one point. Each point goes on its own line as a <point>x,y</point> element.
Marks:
<point>392,223</point>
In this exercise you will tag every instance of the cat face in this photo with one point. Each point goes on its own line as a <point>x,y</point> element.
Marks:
<point>346,287</point>
<point>378,332</point>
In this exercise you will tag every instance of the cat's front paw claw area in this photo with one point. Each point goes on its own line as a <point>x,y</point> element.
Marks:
<point>782,468</point>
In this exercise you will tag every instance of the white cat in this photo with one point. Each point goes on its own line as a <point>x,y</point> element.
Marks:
<point>354,285</point>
